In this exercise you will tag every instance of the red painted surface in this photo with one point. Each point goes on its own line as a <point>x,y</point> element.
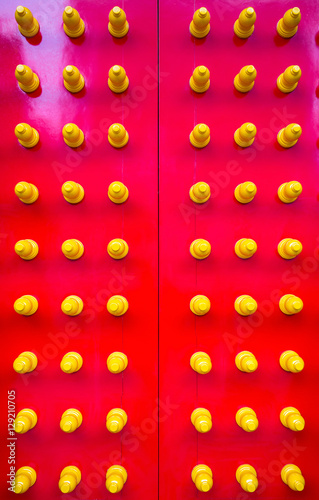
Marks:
<point>95,277</point>
<point>223,276</point>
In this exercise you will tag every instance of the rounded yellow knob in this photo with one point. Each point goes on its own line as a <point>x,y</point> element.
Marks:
<point>26,249</point>
<point>200,192</point>
<point>117,192</point>
<point>201,362</point>
<point>73,25</point>
<point>199,26</point>
<point>72,79</point>
<point>288,136</point>
<point>290,417</point>
<point>200,135</point>
<point>72,305</point>
<point>200,249</point>
<point>27,24</point>
<point>200,305</point>
<point>246,362</point>
<point>26,305</point>
<point>244,136</point>
<point>117,135</point>
<point>245,248</point>
<point>27,80</point>
<point>25,477</point>
<point>289,191</point>
<point>118,25</point>
<point>288,80</point>
<point>72,249</point>
<point>27,136</point>
<point>245,305</point>
<point>292,477</point>
<point>290,361</point>
<point>69,478</point>
<point>200,79</point>
<point>202,476</point>
<point>245,192</point>
<point>287,26</point>
<point>71,420</point>
<point>246,475</point>
<point>116,477</point>
<point>72,192</point>
<point>117,305</point>
<point>117,249</point>
<point>244,25</point>
<point>72,135</point>
<point>26,362</point>
<point>118,81</point>
<point>201,420</point>
<point>71,362</point>
<point>25,420</point>
<point>26,192</point>
<point>288,248</point>
<point>116,419</point>
<point>290,304</point>
<point>246,419</point>
<point>117,362</point>
<point>245,79</point>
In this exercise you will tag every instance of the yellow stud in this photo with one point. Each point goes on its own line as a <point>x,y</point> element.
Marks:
<point>245,79</point>
<point>244,25</point>
<point>69,479</point>
<point>117,305</point>
<point>288,80</point>
<point>245,305</point>
<point>72,305</point>
<point>116,419</point>
<point>246,419</point>
<point>200,249</point>
<point>25,478</point>
<point>25,420</point>
<point>117,192</point>
<point>26,305</point>
<point>26,192</point>
<point>245,192</point>
<point>117,362</point>
<point>71,362</point>
<point>287,26</point>
<point>27,80</point>
<point>116,477</point>
<point>202,476</point>
<point>201,362</point>
<point>199,81</point>
<point>200,135</point>
<point>71,420</point>
<point>26,362</point>
<point>118,82</point>
<point>289,191</point>
<point>199,26</point>
<point>117,249</point>
<point>117,135</point>
<point>26,249</point>
<point>290,304</point>
<point>245,135</point>
<point>72,249</point>
<point>288,248</point>
<point>246,362</point>
<point>201,420</point>
<point>290,417</point>
<point>27,136</point>
<point>200,192</point>
<point>72,79</point>
<point>118,25</point>
<point>245,248</point>
<point>73,25</point>
<point>72,192</point>
<point>200,305</point>
<point>292,477</point>
<point>288,136</point>
<point>27,24</point>
<point>246,475</point>
<point>72,135</point>
<point>290,361</point>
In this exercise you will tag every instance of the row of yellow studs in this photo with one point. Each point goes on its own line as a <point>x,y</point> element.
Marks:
<point>70,477</point>
<point>73,25</point>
